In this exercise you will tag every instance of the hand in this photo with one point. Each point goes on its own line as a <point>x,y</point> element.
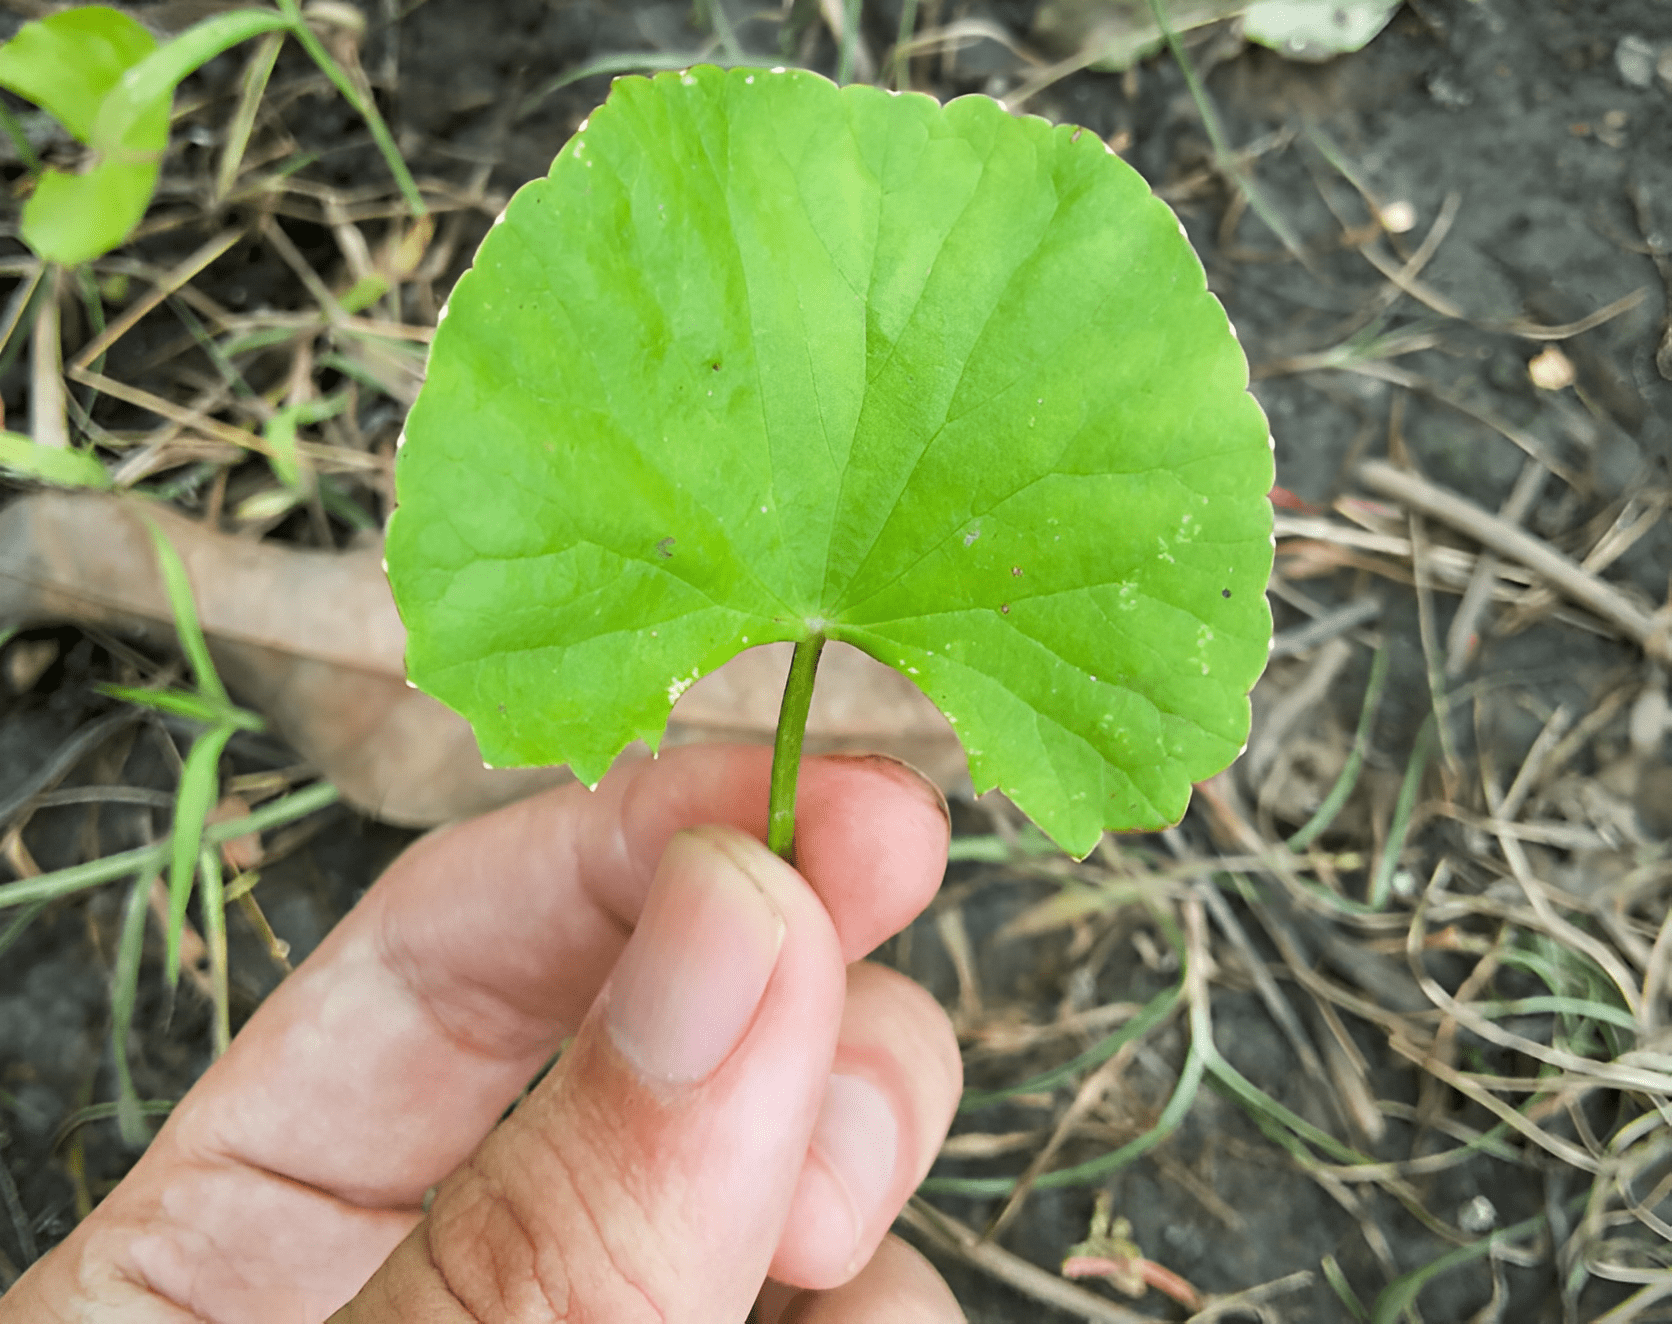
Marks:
<point>738,1101</point>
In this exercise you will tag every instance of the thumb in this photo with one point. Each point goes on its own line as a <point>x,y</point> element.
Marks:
<point>650,1174</point>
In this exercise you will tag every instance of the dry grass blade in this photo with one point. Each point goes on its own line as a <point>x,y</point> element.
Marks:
<point>1648,632</point>
<point>171,282</point>
<point>1411,381</point>
<point>1464,633</point>
<point>1090,1094</point>
<point>48,425</point>
<point>947,1234</point>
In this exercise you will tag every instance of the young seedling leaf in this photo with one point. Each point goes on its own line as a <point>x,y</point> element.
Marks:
<point>103,76</point>
<point>764,359</point>
<point>27,458</point>
<point>154,78</point>
<point>178,586</point>
<point>199,780</point>
<point>68,64</point>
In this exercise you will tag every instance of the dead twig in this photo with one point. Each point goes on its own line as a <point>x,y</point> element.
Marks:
<point>48,424</point>
<point>177,276</point>
<point>1464,635</point>
<point>1649,632</point>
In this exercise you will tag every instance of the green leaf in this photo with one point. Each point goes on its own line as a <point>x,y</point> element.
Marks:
<point>764,359</point>
<point>152,80</point>
<point>180,703</point>
<point>280,432</point>
<point>192,643</point>
<point>51,464</point>
<point>199,782</point>
<point>103,76</point>
<point>69,64</point>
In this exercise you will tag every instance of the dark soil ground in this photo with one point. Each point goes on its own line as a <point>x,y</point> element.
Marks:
<point>1532,132</point>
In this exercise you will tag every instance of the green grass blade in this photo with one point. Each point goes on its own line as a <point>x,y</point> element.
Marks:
<point>1184,1095</point>
<point>1401,1294</point>
<point>80,877</point>
<point>628,62</point>
<point>156,76</point>
<point>124,991</point>
<point>284,458</point>
<point>1153,1012</point>
<point>1319,823</point>
<point>256,75</point>
<point>1582,1008</point>
<point>1257,1101</point>
<point>367,110</point>
<point>1224,157</point>
<point>199,781</point>
<point>1342,1288</point>
<point>51,464</point>
<point>344,507</point>
<point>100,1112</point>
<point>20,922</point>
<point>179,703</point>
<point>1381,886</point>
<point>281,429</point>
<point>87,286</point>
<point>192,642</point>
<point>902,61</point>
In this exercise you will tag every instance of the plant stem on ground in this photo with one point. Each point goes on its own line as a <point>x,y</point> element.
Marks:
<point>786,747</point>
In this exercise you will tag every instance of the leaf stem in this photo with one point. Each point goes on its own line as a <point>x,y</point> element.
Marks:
<point>786,748</point>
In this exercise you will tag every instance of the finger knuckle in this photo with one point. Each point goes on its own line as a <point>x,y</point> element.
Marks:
<point>533,1251</point>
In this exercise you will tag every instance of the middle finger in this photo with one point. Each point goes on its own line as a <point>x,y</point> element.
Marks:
<point>893,1088</point>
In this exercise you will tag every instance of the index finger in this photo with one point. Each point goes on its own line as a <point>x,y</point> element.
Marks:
<point>379,1065</point>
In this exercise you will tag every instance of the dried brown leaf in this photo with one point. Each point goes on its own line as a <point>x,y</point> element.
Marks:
<point>313,641</point>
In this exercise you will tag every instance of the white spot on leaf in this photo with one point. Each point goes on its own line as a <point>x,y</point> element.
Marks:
<point>679,684</point>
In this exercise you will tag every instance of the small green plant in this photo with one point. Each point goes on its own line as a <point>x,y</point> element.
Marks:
<point>764,359</point>
<point>189,854</point>
<point>103,76</point>
<point>221,719</point>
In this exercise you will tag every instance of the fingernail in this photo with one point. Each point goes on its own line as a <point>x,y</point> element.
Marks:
<point>687,984</point>
<point>857,1137</point>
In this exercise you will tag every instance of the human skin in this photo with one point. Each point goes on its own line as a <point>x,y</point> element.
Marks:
<point>742,1109</point>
